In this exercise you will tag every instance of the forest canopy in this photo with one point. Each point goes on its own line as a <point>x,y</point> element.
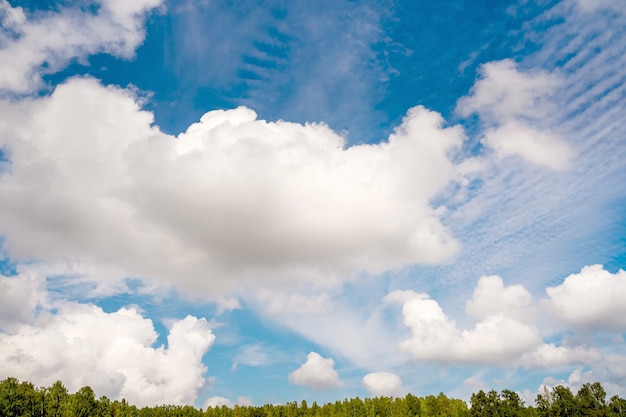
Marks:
<point>23,399</point>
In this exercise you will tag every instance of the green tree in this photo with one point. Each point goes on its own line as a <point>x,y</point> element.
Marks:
<point>413,405</point>
<point>84,403</point>
<point>56,400</point>
<point>10,401</point>
<point>617,407</point>
<point>591,400</point>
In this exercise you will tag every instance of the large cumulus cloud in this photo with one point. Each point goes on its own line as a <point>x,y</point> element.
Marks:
<point>91,180</point>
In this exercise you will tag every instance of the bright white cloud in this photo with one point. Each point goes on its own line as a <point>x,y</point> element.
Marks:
<point>217,401</point>
<point>507,99</point>
<point>383,384</point>
<point>232,196</point>
<point>31,46</point>
<point>317,372</point>
<point>492,297</point>
<point>434,337</point>
<point>593,299</point>
<point>111,352</point>
<point>506,332</point>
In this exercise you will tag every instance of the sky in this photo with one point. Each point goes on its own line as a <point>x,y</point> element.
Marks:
<point>234,202</point>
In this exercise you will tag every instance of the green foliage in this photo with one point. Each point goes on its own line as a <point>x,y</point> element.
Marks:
<point>22,399</point>
<point>506,404</point>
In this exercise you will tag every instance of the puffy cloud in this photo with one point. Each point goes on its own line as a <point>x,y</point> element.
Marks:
<point>593,299</point>
<point>505,332</point>
<point>217,401</point>
<point>383,384</point>
<point>111,352</point>
<point>33,45</point>
<point>492,297</point>
<point>317,372</point>
<point>503,93</point>
<point>232,196</point>
<point>434,337</point>
<point>510,102</point>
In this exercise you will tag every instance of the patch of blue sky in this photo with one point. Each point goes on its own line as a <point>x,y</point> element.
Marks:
<point>7,266</point>
<point>252,357</point>
<point>354,67</point>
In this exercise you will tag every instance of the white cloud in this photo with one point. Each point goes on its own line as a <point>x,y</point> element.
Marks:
<point>317,372</point>
<point>232,196</point>
<point>434,337</point>
<point>503,93</point>
<point>383,384</point>
<point>111,352</point>
<point>549,355</point>
<point>492,297</point>
<point>538,147</point>
<point>593,299</point>
<point>217,401</point>
<point>511,104</point>
<point>54,38</point>
<point>507,331</point>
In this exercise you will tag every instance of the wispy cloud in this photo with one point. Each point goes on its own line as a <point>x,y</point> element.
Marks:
<point>36,45</point>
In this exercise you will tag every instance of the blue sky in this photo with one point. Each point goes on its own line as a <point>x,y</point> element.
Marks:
<point>229,202</point>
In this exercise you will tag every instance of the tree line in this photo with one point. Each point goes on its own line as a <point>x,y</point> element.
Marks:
<point>23,399</point>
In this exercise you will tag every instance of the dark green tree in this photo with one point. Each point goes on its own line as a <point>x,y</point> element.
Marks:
<point>591,400</point>
<point>616,407</point>
<point>84,403</point>
<point>56,401</point>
